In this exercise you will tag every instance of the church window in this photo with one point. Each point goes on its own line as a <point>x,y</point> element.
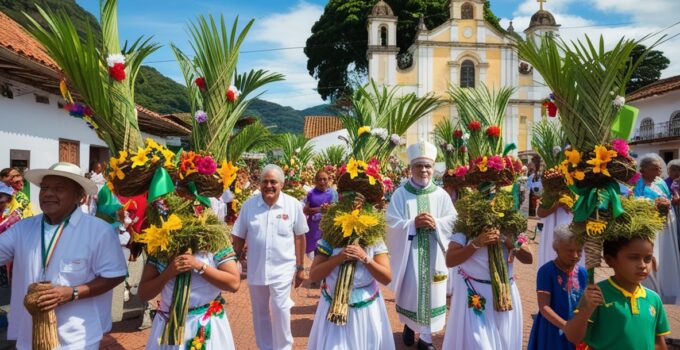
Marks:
<point>383,36</point>
<point>647,128</point>
<point>466,11</point>
<point>522,119</point>
<point>675,124</point>
<point>467,74</point>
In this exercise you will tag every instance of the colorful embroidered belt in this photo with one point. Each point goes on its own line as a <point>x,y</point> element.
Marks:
<point>476,301</point>
<point>198,310</point>
<point>467,277</point>
<point>356,305</point>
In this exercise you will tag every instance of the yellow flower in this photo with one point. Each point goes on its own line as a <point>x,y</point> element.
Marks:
<point>122,156</point>
<point>353,222</point>
<point>567,200</point>
<point>158,238</point>
<point>371,180</point>
<point>150,143</point>
<point>155,159</point>
<point>573,157</point>
<point>139,159</point>
<point>292,162</point>
<point>169,157</point>
<point>115,170</point>
<point>482,165</point>
<point>354,167</point>
<point>595,227</point>
<point>364,129</point>
<point>579,175</point>
<point>602,157</point>
<point>227,173</point>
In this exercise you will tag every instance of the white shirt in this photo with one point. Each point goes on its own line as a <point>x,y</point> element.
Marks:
<point>82,254</point>
<point>269,233</point>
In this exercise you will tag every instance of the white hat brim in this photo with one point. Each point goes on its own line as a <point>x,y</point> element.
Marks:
<point>35,176</point>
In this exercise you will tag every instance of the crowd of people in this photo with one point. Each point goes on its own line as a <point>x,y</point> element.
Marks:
<point>421,260</point>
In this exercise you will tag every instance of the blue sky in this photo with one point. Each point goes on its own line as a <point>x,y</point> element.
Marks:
<point>283,24</point>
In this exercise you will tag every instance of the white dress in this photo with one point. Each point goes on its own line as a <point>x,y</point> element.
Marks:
<point>368,326</point>
<point>546,252</point>
<point>665,280</point>
<point>202,294</point>
<point>491,330</point>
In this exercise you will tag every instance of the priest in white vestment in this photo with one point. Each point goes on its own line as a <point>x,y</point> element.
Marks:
<point>420,218</point>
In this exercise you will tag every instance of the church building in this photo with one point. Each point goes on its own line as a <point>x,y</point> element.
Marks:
<point>465,51</point>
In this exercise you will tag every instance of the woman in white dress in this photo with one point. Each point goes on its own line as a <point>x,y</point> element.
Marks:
<point>368,326</point>
<point>207,321</point>
<point>482,328</point>
<point>557,215</point>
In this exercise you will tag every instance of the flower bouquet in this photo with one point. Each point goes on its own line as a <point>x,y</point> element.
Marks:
<point>587,81</point>
<point>353,220</point>
<point>452,144</point>
<point>179,226</point>
<point>548,140</point>
<point>131,173</point>
<point>489,206</point>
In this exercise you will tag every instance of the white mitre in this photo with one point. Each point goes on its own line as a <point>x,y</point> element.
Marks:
<point>422,150</point>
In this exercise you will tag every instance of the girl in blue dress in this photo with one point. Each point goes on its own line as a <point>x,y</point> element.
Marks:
<point>559,286</point>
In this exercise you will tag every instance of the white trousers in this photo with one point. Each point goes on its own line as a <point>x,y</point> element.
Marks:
<point>271,306</point>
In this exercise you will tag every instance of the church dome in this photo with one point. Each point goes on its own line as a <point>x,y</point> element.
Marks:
<point>382,9</point>
<point>542,18</point>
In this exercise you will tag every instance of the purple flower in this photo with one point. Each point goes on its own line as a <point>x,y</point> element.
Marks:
<point>201,116</point>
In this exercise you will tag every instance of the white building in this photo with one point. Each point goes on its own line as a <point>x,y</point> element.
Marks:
<point>35,130</point>
<point>658,124</point>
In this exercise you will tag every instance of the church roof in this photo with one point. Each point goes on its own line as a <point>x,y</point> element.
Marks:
<point>317,125</point>
<point>542,18</point>
<point>382,9</point>
<point>658,87</point>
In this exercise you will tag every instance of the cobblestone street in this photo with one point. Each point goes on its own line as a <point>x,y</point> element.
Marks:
<point>126,336</point>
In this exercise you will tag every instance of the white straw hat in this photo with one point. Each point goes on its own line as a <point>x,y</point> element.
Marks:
<point>63,169</point>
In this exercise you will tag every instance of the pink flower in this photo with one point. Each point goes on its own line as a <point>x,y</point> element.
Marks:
<point>496,162</point>
<point>388,185</point>
<point>342,169</point>
<point>621,147</point>
<point>461,171</point>
<point>633,180</point>
<point>206,165</point>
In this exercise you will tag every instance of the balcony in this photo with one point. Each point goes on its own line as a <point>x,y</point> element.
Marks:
<point>656,132</point>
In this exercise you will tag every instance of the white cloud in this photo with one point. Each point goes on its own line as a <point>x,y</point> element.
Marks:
<point>647,18</point>
<point>289,30</point>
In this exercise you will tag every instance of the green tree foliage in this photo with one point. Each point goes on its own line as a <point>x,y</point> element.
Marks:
<point>649,69</point>
<point>336,50</point>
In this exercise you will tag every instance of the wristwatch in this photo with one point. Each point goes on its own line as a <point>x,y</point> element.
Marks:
<point>202,269</point>
<point>74,296</point>
<point>299,267</point>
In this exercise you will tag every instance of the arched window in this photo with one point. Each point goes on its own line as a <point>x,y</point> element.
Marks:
<point>466,11</point>
<point>467,74</point>
<point>675,124</point>
<point>383,36</point>
<point>647,128</point>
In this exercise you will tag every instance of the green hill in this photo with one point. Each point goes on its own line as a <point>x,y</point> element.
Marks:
<point>153,90</point>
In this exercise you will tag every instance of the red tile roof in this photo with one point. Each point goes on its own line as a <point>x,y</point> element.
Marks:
<point>658,87</point>
<point>320,125</point>
<point>15,38</point>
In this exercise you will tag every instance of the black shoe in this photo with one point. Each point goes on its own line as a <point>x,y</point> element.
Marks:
<point>422,345</point>
<point>408,336</point>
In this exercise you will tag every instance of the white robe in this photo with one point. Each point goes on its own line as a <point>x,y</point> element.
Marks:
<point>665,279</point>
<point>546,252</point>
<point>491,329</point>
<point>420,287</point>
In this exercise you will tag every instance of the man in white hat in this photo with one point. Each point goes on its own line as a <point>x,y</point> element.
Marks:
<point>70,249</point>
<point>420,218</point>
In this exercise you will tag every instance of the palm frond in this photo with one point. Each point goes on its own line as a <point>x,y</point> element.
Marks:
<point>334,155</point>
<point>254,137</point>
<point>295,145</point>
<point>84,66</point>
<point>548,140</point>
<point>449,146</point>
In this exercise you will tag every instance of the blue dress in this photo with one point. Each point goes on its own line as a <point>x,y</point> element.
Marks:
<point>565,292</point>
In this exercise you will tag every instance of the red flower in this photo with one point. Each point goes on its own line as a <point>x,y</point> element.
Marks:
<point>88,111</point>
<point>551,108</point>
<point>474,126</point>
<point>462,149</point>
<point>458,133</point>
<point>493,131</point>
<point>117,72</point>
<point>200,82</point>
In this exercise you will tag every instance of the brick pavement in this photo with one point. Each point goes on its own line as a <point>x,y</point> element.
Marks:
<point>126,336</point>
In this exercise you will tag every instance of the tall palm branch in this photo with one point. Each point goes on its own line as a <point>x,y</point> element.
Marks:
<point>334,155</point>
<point>486,106</point>
<point>443,137</point>
<point>216,52</point>
<point>585,78</point>
<point>255,137</point>
<point>548,140</point>
<point>380,107</point>
<point>84,65</point>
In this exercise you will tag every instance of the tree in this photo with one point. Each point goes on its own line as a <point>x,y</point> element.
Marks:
<point>336,50</point>
<point>649,69</point>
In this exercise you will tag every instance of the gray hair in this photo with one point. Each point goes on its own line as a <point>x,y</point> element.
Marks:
<point>652,158</point>
<point>562,234</point>
<point>675,163</point>
<point>276,169</point>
